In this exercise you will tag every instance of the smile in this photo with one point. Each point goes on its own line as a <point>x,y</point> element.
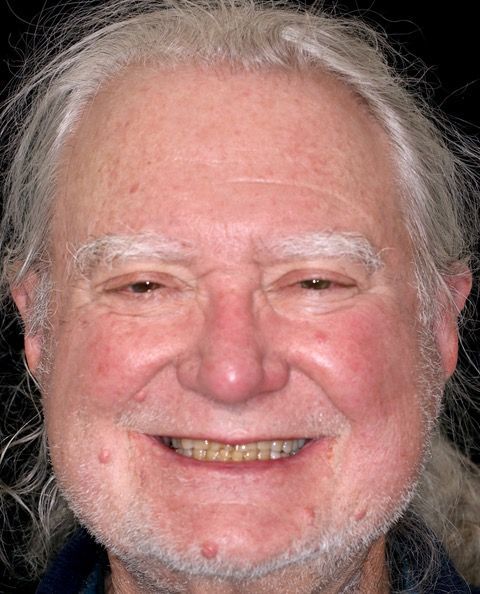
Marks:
<point>215,451</point>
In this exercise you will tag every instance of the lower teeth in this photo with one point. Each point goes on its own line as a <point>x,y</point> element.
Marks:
<point>211,451</point>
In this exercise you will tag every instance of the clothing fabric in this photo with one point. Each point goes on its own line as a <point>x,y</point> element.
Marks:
<point>82,565</point>
<point>79,568</point>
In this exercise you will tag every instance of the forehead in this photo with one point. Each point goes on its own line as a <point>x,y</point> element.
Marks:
<point>233,145</point>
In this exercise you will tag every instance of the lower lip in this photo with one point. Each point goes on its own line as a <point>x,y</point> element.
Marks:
<point>314,447</point>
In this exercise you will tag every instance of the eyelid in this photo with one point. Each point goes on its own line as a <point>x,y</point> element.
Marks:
<point>292,278</point>
<point>121,282</point>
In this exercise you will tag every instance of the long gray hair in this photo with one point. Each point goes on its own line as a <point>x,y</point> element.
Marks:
<point>435,176</point>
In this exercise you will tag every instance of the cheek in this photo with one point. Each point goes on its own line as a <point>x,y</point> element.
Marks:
<point>104,361</point>
<point>367,364</point>
<point>370,365</point>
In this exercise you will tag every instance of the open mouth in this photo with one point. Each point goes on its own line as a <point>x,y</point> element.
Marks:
<point>215,451</point>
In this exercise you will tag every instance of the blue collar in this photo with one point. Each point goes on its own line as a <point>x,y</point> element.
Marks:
<point>82,565</point>
<point>79,568</point>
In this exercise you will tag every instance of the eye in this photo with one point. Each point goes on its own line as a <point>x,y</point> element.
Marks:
<point>142,287</point>
<point>315,284</point>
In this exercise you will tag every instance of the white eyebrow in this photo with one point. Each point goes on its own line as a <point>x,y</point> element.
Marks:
<point>309,246</point>
<point>107,249</point>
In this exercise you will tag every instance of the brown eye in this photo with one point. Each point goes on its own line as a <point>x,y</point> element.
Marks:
<point>143,287</point>
<point>316,284</point>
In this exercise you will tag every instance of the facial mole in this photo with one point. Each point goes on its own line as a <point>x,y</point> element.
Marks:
<point>360,514</point>
<point>104,456</point>
<point>209,550</point>
<point>140,396</point>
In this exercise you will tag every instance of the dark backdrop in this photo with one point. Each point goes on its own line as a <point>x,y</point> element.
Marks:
<point>444,39</point>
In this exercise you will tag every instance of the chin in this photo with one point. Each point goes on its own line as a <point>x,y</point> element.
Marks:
<point>152,552</point>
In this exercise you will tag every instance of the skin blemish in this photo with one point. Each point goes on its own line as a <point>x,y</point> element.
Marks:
<point>329,453</point>
<point>310,515</point>
<point>104,456</point>
<point>140,396</point>
<point>320,336</point>
<point>209,550</point>
<point>134,188</point>
<point>360,514</point>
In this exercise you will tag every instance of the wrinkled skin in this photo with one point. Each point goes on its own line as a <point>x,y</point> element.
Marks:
<point>229,344</point>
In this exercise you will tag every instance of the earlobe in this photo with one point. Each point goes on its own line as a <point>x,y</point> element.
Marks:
<point>459,286</point>
<point>24,296</point>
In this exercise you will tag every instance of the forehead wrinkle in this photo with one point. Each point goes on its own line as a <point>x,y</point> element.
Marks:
<point>350,245</point>
<point>107,249</point>
<point>272,182</point>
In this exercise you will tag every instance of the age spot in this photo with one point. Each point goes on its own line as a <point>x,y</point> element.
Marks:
<point>209,550</point>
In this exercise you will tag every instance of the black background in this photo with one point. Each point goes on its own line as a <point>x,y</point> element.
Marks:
<point>446,40</point>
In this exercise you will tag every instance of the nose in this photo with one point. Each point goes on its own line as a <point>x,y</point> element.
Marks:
<point>232,359</point>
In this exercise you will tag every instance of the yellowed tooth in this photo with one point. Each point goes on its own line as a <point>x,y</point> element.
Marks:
<point>203,449</point>
<point>263,455</point>
<point>212,454</point>
<point>199,454</point>
<point>225,453</point>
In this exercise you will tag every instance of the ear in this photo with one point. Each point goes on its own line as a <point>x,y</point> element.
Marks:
<point>24,296</point>
<point>459,285</point>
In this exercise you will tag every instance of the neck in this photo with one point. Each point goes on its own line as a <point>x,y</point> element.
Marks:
<point>367,575</point>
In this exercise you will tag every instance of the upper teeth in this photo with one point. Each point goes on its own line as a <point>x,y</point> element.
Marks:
<point>205,449</point>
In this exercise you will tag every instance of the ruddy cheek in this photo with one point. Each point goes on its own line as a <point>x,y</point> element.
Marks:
<point>115,363</point>
<point>371,376</point>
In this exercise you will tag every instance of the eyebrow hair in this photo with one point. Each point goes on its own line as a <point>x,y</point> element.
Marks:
<point>109,248</point>
<point>353,246</point>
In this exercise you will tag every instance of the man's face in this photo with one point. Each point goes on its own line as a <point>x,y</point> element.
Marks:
<point>242,310</point>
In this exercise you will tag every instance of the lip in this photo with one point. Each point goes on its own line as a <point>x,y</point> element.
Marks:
<point>313,448</point>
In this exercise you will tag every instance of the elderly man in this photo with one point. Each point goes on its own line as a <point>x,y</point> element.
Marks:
<point>239,250</point>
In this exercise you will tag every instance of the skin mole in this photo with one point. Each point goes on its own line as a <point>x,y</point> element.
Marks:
<point>209,550</point>
<point>104,456</point>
